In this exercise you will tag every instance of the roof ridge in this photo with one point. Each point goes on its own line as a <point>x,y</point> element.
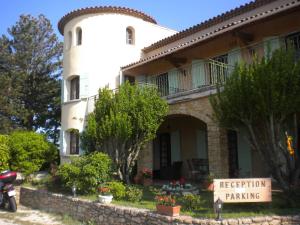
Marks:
<point>102,9</point>
<point>208,23</point>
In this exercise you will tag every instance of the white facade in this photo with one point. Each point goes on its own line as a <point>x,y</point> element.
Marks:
<point>96,57</point>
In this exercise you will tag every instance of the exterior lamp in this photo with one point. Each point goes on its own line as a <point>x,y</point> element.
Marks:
<point>218,205</point>
<point>74,190</point>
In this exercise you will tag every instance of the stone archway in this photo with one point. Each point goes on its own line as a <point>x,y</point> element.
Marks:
<point>216,137</point>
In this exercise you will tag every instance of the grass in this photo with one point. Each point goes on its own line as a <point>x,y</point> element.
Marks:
<point>278,206</point>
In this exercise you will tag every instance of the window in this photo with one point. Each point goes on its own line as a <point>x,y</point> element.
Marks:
<point>78,36</point>
<point>74,142</point>
<point>129,36</point>
<point>293,40</point>
<point>74,88</point>
<point>130,79</point>
<point>162,83</point>
<point>69,41</point>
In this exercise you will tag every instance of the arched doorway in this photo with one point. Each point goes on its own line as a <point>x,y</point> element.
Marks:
<point>179,139</point>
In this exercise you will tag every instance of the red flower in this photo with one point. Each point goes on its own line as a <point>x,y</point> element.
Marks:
<point>147,173</point>
<point>167,200</point>
<point>182,181</point>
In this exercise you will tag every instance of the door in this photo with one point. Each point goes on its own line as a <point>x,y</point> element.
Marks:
<point>233,154</point>
<point>165,150</point>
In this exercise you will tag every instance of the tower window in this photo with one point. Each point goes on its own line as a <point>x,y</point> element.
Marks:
<point>74,142</point>
<point>78,36</point>
<point>74,88</point>
<point>130,36</point>
<point>69,41</point>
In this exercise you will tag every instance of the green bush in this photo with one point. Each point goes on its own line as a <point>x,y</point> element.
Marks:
<point>4,153</point>
<point>86,172</point>
<point>29,151</point>
<point>133,193</point>
<point>117,189</point>
<point>190,202</point>
<point>52,156</point>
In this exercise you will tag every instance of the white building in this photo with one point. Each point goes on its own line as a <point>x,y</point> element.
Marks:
<point>97,42</point>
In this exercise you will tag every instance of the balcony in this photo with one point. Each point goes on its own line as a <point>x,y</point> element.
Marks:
<point>196,77</point>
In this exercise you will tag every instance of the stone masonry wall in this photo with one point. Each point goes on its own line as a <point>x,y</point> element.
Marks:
<point>201,109</point>
<point>86,210</point>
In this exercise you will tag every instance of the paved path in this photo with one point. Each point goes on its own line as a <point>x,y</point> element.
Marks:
<point>27,216</point>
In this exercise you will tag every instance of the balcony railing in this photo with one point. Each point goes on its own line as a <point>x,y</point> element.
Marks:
<point>198,75</point>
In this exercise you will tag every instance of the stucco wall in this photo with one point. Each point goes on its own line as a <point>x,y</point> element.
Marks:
<point>98,59</point>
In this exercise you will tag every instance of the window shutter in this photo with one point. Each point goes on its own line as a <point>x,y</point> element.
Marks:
<point>201,144</point>
<point>61,142</point>
<point>141,79</point>
<point>62,90</point>
<point>270,45</point>
<point>198,73</point>
<point>173,81</point>
<point>83,86</point>
<point>234,57</point>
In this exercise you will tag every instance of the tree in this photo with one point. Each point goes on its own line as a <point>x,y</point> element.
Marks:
<point>29,151</point>
<point>30,66</point>
<point>123,122</point>
<point>263,97</point>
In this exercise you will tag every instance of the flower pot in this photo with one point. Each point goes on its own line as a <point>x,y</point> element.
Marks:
<point>168,210</point>
<point>105,199</point>
<point>147,181</point>
<point>210,187</point>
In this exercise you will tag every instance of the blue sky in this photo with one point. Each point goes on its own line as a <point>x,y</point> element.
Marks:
<point>175,14</point>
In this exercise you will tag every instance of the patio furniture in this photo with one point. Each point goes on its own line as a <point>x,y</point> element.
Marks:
<point>198,168</point>
<point>180,189</point>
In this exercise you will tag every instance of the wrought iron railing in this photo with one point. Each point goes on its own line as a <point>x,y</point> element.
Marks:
<point>198,75</point>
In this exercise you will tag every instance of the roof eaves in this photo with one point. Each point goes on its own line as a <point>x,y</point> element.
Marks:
<point>216,32</point>
<point>213,21</point>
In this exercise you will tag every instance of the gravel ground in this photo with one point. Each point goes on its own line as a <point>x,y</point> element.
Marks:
<point>27,216</point>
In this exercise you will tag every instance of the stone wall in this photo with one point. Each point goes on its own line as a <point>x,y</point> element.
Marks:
<point>86,210</point>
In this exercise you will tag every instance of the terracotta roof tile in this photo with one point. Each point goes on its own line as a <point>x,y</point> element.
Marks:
<point>208,23</point>
<point>217,31</point>
<point>102,9</point>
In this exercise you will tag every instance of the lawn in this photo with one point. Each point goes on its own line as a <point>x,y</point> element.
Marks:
<point>278,206</point>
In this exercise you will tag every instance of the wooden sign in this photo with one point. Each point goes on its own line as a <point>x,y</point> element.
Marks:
<point>243,190</point>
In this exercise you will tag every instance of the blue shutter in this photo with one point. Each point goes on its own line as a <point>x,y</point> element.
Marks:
<point>173,81</point>
<point>201,146</point>
<point>62,90</point>
<point>198,73</point>
<point>234,57</point>
<point>141,79</point>
<point>270,45</point>
<point>84,86</point>
<point>61,142</point>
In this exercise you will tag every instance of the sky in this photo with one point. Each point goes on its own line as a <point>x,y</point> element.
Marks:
<point>174,14</point>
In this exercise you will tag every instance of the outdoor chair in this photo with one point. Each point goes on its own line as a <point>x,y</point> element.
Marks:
<point>198,169</point>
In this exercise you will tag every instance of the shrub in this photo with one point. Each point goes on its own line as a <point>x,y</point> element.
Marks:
<point>133,193</point>
<point>4,153</point>
<point>117,189</point>
<point>28,150</point>
<point>86,172</point>
<point>190,202</point>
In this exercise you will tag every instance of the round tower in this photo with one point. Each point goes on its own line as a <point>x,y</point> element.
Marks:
<point>97,42</point>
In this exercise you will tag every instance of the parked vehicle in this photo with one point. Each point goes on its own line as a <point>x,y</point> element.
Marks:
<point>7,190</point>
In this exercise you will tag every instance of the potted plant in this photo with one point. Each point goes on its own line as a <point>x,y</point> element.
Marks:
<point>147,177</point>
<point>105,195</point>
<point>208,183</point>
<point>166,205</point>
